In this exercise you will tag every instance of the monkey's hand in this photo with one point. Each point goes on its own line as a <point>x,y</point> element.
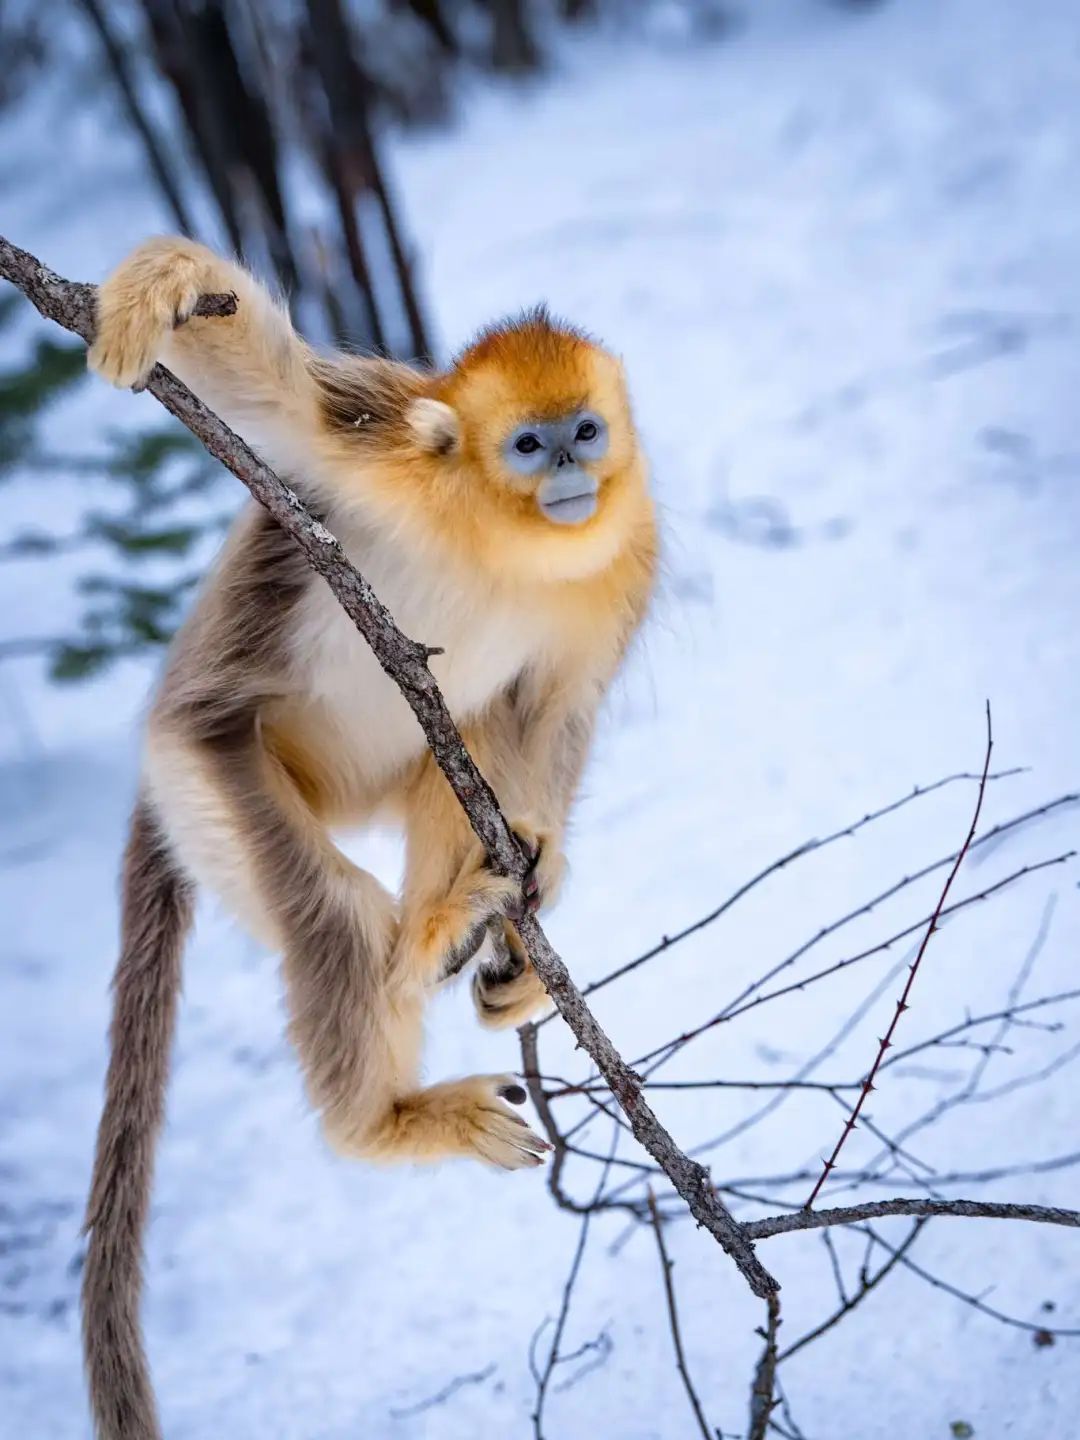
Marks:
<point>506,989</point>
<point>547,863</point>
<point>154,290</point>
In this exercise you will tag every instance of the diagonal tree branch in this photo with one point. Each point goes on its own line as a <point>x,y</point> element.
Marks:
<point>406,662</point>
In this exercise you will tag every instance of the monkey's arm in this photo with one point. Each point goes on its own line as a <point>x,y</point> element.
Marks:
<point>251,368</point>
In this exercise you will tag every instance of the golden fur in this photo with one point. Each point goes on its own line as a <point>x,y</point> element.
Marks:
<point>274,723</point>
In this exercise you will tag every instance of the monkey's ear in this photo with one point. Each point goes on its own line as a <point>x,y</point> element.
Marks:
<point>434,425</point>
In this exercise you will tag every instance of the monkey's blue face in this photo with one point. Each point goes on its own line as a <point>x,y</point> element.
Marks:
<point>556,453</point>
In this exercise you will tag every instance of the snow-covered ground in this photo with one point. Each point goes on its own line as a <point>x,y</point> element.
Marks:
<point>839,254</point>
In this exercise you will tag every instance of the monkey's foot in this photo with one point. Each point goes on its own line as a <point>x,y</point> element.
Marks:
<point>468,1117</point>
<point>507,990</point>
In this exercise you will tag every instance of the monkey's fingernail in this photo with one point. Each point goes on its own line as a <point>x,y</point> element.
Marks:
<point>514,1093</point>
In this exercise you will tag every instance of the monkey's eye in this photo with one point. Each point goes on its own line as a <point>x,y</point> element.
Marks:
<point>587,431</point>
<point>527,444</point>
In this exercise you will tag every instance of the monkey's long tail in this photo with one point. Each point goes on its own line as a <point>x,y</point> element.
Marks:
<point>156,915</point>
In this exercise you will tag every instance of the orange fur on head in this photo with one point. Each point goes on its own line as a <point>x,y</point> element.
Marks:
<point>536,368</point>
<point>444,475</point>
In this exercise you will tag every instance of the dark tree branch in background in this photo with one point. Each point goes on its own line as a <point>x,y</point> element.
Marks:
<point>405,661</point>
<point>903,1003</point>
<point>120,65</point>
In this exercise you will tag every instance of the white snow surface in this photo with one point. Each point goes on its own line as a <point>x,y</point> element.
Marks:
<point>838,251</point>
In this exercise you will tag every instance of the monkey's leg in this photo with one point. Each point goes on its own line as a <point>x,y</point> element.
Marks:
<point>238,826</point>
<point>450,898</point>
<point>237,823</point>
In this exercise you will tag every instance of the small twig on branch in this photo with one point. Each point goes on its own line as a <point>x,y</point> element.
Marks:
<point>406,662</point>
<point>975,1301</point>
<point>903,1003</point>
<point>763,1390</point>
<point>944,1037</point>
<point>543,1377</point>
<point>808,847</point>
<point>477,1377</point>
<point>661,1054</point>
<point>867,1285</point>
<point>666,1266</point>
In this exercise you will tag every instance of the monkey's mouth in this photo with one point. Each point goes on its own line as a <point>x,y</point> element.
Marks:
<point>568,499</point>
<point>571,510</point>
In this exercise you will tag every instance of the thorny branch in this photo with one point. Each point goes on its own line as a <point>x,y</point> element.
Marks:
<point>983,1034</point>
<point>904,1002</point>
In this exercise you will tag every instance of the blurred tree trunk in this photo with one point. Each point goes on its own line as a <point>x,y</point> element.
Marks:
<point>245,95</point>
<point>513,48</point>
<point>120,66</point>
<point>355,165</point>
<point>430,12</point>
<point>229,125</point>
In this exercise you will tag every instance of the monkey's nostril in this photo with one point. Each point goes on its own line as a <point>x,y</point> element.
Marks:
<point>514,1093</point>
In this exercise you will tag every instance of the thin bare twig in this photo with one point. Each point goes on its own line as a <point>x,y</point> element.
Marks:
<point>808,847</point>
<point>867,1285</point>
<point>543,1377</point>
<point>976,1302</point>
<point>666,1266</point>
<point>476,1377</point>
